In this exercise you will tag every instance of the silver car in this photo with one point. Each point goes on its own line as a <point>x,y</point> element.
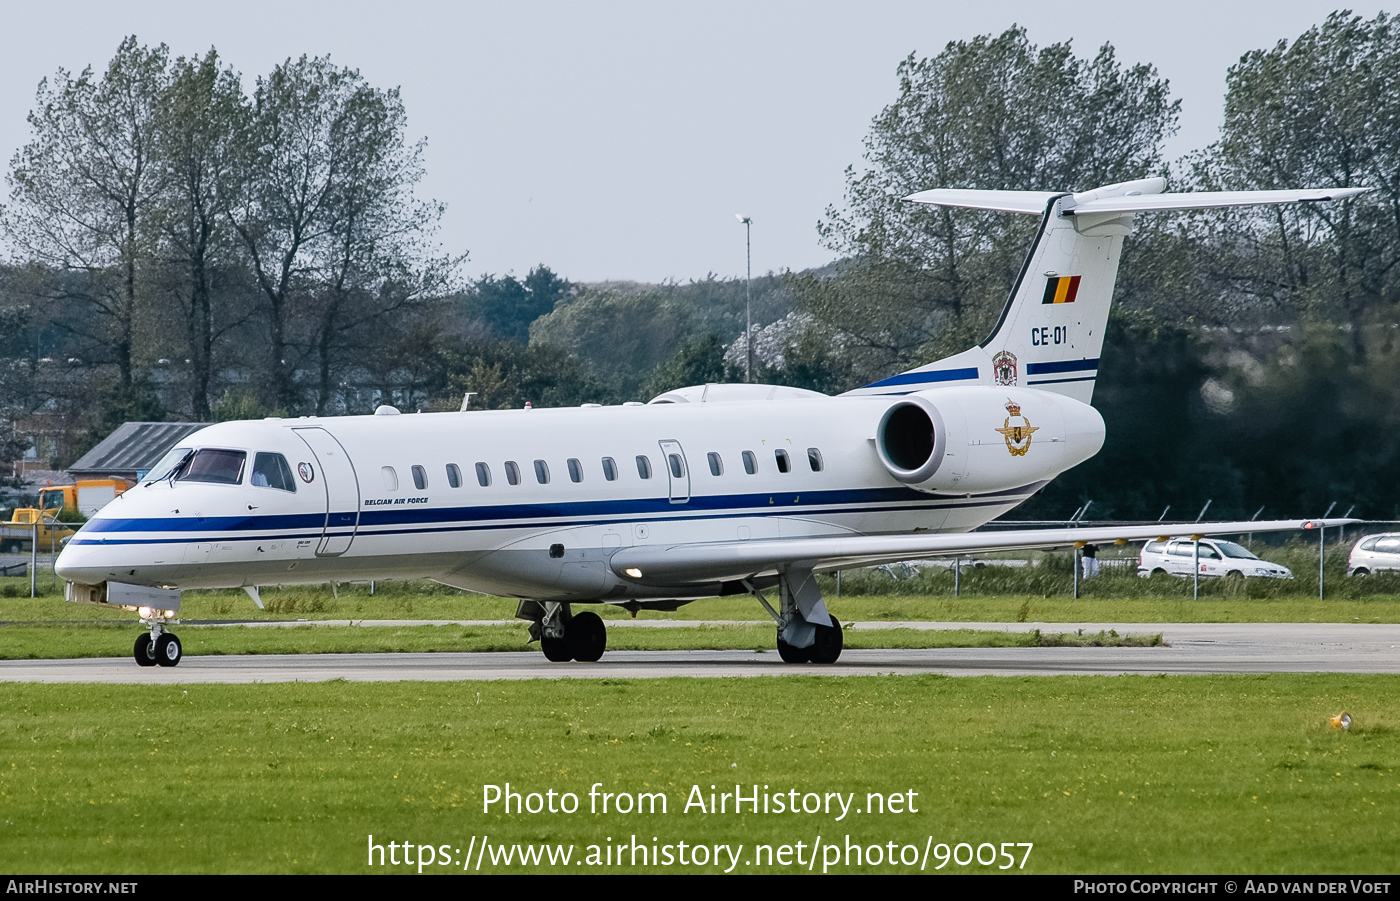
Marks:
<point>1374,553</point>
<point>1217,558</point>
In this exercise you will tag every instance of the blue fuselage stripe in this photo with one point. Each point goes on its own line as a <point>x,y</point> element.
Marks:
<point>934,375</point>
<point>535,516</point>
<point>1062,366</point>
<point>1083,378</point>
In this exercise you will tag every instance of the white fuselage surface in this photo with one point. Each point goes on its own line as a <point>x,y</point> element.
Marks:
<point>374,496</point>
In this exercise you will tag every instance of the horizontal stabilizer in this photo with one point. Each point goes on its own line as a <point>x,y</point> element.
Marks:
<point>729,560</point>
<point>1201,200</point>
<point>1035,202</point>
<point>1005,201</point>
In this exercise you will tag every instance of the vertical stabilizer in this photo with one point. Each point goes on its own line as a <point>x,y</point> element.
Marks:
<point>1051,330</point>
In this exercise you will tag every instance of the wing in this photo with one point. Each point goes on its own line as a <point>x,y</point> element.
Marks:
<point>660,565</point>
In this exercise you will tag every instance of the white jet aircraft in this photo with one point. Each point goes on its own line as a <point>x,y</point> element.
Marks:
<point>704,491</point>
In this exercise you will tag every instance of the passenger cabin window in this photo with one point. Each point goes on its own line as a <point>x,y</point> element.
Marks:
<point>750,463</point>
<point>272,471</point>
<point>454,475</point>
<point>483,475</point>
<point>420,478</point>
<point>610,469</point>
<point>784,464</point>
<point>677,466</point>
<point>512,472</point>
<point>814,459</point>
<point>575,470</point>
<point>716,464</point>
<point>542,472</point>
<point>391,478</point>
<point>643,466</point>
<point>209,465</point>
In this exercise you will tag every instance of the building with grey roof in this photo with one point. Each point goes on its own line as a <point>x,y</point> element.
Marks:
<point>130,451</point>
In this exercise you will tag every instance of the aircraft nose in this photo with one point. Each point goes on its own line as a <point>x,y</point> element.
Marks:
<point>74,565</point>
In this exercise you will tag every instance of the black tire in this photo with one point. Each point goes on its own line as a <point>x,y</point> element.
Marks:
<point>1361,571</point>
<point>587,637</point>
<point>827,647</point>
<point>791,654</point>
<point>556,650</point>
<point>144,652</point>
<point>168,651</point>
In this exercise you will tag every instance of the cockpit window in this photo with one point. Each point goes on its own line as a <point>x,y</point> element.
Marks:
<point>272,471</point>
<point>169,465</point>
<point>211,465</point>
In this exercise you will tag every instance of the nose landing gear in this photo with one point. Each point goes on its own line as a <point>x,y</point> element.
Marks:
<point>157,647</point>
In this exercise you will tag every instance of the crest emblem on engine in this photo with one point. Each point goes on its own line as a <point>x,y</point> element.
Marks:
<point>1016,434</point>
<point>1004,368</point>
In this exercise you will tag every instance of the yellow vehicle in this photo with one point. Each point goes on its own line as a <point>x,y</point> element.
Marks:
<point>17,535</point>
<point>86,497</point>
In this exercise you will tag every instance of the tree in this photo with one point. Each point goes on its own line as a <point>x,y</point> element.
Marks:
<point>506,306</point>
<point>326,215</point>
<point>82,193</point>
<point>198,117</point>
<point>994,112</point>
<point>505,375</point>
<point>1320,112</point>
<point>620,337</point>
<point>698,361</point>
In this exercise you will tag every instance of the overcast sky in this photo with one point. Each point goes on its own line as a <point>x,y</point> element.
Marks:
<point>618,140</point>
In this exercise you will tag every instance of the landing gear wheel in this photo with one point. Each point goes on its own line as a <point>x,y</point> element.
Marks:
<point>587,637</point>
<point>556,650</point>
<point>144,652</point>
<point>827,647</point>
<point>167,649</point>
<point>791,654</point>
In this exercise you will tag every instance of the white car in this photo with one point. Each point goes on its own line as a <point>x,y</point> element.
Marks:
<point>1217,559</point>
<point>1374,553</point>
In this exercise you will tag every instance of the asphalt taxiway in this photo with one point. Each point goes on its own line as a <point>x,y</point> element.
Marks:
<point>1191,649</point>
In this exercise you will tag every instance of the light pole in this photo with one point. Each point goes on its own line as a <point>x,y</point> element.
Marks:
<point>748,296</point>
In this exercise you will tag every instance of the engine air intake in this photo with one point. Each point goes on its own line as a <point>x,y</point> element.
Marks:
<point>910,440</point>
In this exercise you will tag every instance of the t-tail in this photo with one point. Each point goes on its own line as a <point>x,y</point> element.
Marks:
<point>1051,330</point>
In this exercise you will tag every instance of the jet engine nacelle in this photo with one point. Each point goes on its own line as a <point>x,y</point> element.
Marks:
<point>981,439</point>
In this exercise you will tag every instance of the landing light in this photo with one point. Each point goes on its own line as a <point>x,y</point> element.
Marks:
<point>633,572</point>
<point>145,612</point>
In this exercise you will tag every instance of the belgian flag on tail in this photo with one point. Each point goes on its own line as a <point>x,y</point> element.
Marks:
<point>1061,290</point>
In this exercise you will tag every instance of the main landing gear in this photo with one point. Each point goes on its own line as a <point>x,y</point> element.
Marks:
<point>157,647</point>
<point>825,647</point>
<point>564,636</point>
<point>807,633</point>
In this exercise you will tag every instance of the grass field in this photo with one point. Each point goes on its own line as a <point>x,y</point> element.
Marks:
<point>1102,775</point>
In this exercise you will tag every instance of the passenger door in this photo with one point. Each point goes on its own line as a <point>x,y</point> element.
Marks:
<point>677,472</point>
<point>336,474</point>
